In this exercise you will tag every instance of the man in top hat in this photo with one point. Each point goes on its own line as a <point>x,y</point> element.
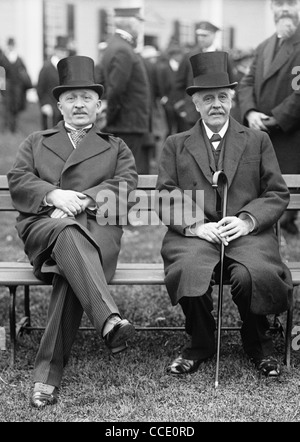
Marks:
<point>59,183</point>
<point>257,196</point>
<point>206,33</point>
<point>48,78</point>
<point>128,92</point>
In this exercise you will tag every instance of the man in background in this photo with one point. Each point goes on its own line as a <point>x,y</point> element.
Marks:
<point>18,82</point>
<point>206,33</point>
<point>267,98</point>
<point>48,79</point>
<point>128,93</point>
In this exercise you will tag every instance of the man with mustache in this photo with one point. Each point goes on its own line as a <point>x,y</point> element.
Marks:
<point>268,98</point>
<point>59,183</point>
<point>257,197</point>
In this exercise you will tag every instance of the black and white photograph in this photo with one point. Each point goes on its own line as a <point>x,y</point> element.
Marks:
<point>150,213</point>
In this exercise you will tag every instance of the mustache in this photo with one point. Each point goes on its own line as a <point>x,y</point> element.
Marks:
<point>216,113</point>
<point>286,15</point>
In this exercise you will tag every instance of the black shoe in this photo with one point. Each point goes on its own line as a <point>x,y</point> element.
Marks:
<point>268,366</point>
<point>116,338</point>
<point>181,365</point>
<point>40,399</point>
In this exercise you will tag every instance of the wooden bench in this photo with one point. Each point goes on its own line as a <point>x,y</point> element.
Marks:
<point>15,274</point>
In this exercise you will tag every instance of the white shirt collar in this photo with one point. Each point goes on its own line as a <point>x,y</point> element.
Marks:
<point>73,128</point>
<point>211,48</point>
<point>222,132</point>
<point>68,126</point>
<point>54,60</point>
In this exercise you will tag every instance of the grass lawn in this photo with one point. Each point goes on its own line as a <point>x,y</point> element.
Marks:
<point>134,386</point>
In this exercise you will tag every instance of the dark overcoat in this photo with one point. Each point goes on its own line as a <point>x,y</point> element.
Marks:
<point>47,80</point>
<point>127,88</point>
<point>271,87</point>
<point>255,186</point>
<point>45,161</point>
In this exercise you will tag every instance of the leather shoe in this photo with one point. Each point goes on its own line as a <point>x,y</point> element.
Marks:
<point>268,366</point>
<point>183,366</point>
<point>40,399</point>
<point>116,338</point>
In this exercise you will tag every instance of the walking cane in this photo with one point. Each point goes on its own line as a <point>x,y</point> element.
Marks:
<point>220,175</point>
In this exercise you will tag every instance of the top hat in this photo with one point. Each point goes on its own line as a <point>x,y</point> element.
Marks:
<point>76,72</point>
<point>206,26</point>
<point>210,71</point>
<point>129,12</point>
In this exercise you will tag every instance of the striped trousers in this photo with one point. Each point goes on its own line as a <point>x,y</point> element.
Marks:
<point>80,287</point>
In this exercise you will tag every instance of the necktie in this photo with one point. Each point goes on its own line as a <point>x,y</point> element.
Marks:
<point>216,149</point>
<point>78,135</point>
<point>215,137</point>
<point>279,43</point>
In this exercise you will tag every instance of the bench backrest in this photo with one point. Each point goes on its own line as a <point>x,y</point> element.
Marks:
<point>146,184</point>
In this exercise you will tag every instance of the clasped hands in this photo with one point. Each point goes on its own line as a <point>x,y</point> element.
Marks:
<point>261,121</point>
<point>224,231</point>
<point>67,202</point>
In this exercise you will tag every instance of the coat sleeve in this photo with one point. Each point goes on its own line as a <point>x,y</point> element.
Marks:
<point>26,187</point>
<point>116,195</point>
<point>274,195</point>
<point>246,90</point>
<point>287,113</point>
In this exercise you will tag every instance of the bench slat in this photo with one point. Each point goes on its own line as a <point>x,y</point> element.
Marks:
<point>18,273</point>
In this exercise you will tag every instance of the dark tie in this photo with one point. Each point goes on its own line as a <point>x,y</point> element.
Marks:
<point>216,152</point>
<point>215,137</point>
<point>279,43</point>
<point>77,135</point>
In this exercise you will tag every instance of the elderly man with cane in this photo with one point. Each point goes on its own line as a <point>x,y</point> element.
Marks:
<point>256,198</point>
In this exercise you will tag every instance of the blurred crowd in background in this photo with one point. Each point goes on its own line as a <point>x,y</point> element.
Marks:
<point>167,116</point>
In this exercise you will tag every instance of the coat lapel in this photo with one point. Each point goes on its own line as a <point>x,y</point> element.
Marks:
<point>235,144</point>
<point>57,141</point>
<point>284,54</point>
<point>268,54</point>
<point>92,144</point>
<point>195,144</point>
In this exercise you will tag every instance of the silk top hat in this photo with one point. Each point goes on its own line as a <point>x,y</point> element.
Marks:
<point>76,72</point>
<point>210,71</point>
<point>129,12</point>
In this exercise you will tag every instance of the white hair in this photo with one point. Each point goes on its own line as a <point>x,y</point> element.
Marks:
<point>197,95</point>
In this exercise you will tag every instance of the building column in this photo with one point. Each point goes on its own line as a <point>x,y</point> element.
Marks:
<point>212,10</point>
<point>29,37</point>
